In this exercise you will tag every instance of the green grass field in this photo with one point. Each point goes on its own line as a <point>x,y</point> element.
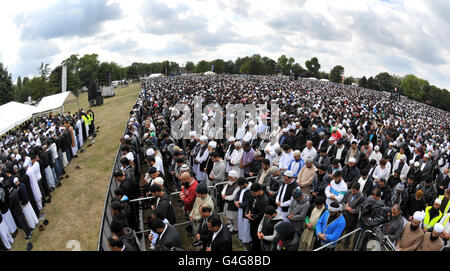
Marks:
<point>75,212</point>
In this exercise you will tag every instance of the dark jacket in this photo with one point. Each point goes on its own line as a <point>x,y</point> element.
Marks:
<point>256,206</point>
<point>350,175</point>
<point>17,212</point>
<point>166,208</point>
<point>222,242</point>
<point>170,239</point>
<point>393,228</point>
<point>373,213</point>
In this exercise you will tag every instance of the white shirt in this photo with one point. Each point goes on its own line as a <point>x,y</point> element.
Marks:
<point>216,233</point>
<point>339,153</point>
<point>309,153</point>
<point>286,159</point>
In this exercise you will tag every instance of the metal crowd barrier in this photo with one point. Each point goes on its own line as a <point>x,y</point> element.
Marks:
<point>105,230</point>
<point>338,240</point>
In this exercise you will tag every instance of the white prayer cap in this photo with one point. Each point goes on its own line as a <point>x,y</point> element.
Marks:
<point>192,133</point>
<point>321,133</point>
<point>251,123</point>
<point>403,157</point>
<point>238,144</point>
<point>231,139</point>
<point>340,126</point>
<point>354,141</point>
<point>426,156</point>
<point>288,173</point>
<point>184,167</point>
<point>419,215</point>
<point>285,130</point>
<point>438,201</point>
<point>411,141</point>
<point>411,162</point>
<point>377,148</point>
<point>314,126</point>
<point>438,228</point>
<point>391,144</point>
<point>416,164</point>
<point>126,137</point>
<point>331,139</point>
<point>159,180</point>
<point>213,144</point>
<point>203,138</point>
<point>233,174</point>
<point>150,152</point>
<point>352,160</point>
<point>297,152</point>
<point>308,160</point>
<point>16,180</point>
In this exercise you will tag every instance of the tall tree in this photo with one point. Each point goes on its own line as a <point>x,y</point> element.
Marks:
<point>371,83</point>
<point>190,66</point>
<point>413,86</point>
<point>363,82</point>
<point>88,68</point>
<point>336,74</point>
<point>385,82</point>
<point>6,86</point>
<point>313,66</point>
<point>202,66</point>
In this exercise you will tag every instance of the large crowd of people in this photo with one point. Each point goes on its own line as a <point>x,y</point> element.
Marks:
<point>33,159</point>
<point>340,158</point>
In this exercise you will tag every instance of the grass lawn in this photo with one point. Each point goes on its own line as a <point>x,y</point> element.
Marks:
<point>75,212</point>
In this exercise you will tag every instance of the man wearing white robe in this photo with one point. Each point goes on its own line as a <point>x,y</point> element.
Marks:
<point>271,149</point>
<point>236,156</point>
<point>34,182</point>
<point>200,175</point>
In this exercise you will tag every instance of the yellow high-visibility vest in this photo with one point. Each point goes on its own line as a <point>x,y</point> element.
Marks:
<point>441,197</point>
<point>446,220</point>
<point>91,117</point>
<point>427,224</point>
<point>86,120</point>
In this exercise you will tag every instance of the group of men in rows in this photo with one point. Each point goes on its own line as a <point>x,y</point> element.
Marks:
<point>33,159</point>
<point>341,157</point>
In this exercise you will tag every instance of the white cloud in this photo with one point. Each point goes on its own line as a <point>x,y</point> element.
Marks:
<point>365,36</point>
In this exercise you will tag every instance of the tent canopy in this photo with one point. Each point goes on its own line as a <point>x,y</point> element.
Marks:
<point>54,102</point>
<point>13,114</point>
<point>210,73</point>
<point>156,75</point>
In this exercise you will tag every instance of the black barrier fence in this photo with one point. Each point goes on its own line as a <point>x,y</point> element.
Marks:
<point>105,230</point>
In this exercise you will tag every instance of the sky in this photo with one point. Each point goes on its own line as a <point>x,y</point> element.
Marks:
<point>365,36</point>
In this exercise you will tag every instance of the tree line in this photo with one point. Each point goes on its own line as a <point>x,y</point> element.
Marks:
<point>81,70</point>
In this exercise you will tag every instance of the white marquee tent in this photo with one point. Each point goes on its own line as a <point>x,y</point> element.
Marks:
<point>13,114</point>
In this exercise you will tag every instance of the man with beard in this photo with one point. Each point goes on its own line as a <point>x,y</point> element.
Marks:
<point>319,183</point>
<point>412,235</point>
<point>394,227</point>
<point>330,225</point>
<point>432,214</point>
<point>432,240</point>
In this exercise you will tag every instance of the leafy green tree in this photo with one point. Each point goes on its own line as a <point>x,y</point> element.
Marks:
<point>253,67</point>
<point>413,87</point>
<point>371,83</point>
<point>219,65</point>
<point>385,82</point>
<point>88,68</point>
<point>239,62</point>
<point>190,66</point>
<point>336,74</point>
<point>269,64</point>
<point>313,66</point>
<point>6,86</point>
<point>202,66</point>
<point>229,67</point>
<point>363,82</point>
<point>349,80</point>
